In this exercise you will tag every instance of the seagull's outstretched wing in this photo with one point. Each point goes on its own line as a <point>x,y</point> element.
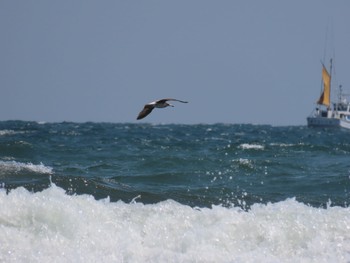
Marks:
<point>147,109</point>
<point>170,99</point>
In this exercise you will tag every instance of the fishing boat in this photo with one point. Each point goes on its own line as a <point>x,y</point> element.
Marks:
<point>327,114</point>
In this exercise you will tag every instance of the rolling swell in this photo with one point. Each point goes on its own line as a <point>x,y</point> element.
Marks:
<point>197,165</point>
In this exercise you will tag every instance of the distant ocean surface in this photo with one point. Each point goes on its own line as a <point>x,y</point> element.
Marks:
<point>104,192</point>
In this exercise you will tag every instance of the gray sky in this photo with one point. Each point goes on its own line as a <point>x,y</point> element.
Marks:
<point>234,61</point>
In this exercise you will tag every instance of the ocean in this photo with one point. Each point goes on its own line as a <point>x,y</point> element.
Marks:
<point>127,192</point>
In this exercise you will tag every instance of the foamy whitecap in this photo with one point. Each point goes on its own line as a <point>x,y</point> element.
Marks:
<point>247,146</point>
<point>13,166</point>
<point>282,144</point>
<point>6,132</point>
<point>244,162</point>
<point>11,132</point>
<point>53,226</point>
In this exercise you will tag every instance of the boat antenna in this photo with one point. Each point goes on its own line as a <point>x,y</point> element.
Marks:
<point>340,95</point>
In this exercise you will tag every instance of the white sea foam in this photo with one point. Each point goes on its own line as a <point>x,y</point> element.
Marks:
<point>11,132</point>
<point>247,146</point>
<point>51,226</point>
<point>13,166</point>
<point>6,132</point>
<point>244,162</point>
<point>284,144</point>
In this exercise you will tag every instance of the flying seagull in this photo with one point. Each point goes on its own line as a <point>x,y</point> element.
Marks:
<point>147,109</point>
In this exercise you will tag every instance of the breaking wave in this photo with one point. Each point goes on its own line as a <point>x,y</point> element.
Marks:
<point>15,167</point>
<point>51,225</point>
<point>247,146</point>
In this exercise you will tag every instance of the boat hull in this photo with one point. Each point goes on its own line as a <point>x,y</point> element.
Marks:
<point>328,122</point>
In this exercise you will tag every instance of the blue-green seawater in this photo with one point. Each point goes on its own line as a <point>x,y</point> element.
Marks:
<point>196,165</point>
